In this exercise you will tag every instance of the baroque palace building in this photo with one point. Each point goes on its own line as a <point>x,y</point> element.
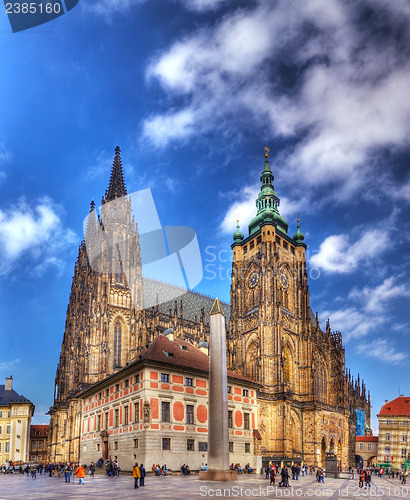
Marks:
<point>16,412</point>
<point>394,433</point>
<point>307,402</point>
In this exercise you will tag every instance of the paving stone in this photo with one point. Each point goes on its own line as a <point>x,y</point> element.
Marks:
<point>15,487</point>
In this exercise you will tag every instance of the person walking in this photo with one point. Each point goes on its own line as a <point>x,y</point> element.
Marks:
<point>361,478</point>
<point>136,474</point>
<point>272,475</point>
<point>367,478</point>
<point>285,478</point>
<point>67,472</point>
<point>80,472</point>
<point>92,469</point>
<point>143,474</point>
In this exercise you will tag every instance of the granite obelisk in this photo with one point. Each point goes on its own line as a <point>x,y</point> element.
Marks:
<point>218,432</point>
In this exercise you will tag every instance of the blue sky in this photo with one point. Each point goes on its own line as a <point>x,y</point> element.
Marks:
<point>192,90</point>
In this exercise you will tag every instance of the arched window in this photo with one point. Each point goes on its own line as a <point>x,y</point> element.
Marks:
<point>285,299</point>
<point>117,345</point>
<point>252,362</point>
<point>287,364</point>
<point>320,378</point>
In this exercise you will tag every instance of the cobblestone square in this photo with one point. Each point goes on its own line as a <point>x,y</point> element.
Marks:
<point>15,487</point>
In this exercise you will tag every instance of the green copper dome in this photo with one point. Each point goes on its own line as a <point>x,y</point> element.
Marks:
<point>237,235</point>
<point>298,236</point>
<point>267,202</point>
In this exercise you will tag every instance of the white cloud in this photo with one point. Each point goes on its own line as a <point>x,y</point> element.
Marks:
<point>32,230</point>
<point>349,101</point>
<point>106,8</point>
<point>375,298</point>
<point>173,125</point>
<point>368,314</point>
<point>337,254</point>
<point>352,322</point>
<point>382,349</point>
<point>244,209</point>
<point>203,5</point>
<point>5,157</point>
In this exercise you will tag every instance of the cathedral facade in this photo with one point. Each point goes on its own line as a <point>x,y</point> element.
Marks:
<point>306,401</point>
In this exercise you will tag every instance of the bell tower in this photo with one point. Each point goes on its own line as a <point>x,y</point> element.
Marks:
<point>269,295</point>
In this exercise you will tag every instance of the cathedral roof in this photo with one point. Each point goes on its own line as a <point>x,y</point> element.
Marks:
<point>192,302</point>
<point>182,354</point>
<point>11,396</point>
<point>177,354</point>
<point>398,407</point>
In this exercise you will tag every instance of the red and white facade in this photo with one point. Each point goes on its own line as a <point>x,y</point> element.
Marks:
<point>156,411</point>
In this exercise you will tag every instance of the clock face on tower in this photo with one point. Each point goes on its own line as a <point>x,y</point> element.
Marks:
<point>283,280</point>
<point>253,279</point>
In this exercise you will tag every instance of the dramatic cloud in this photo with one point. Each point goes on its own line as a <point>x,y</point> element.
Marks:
<point>318,74</point>
<point>382,350</point>
<point>373,299</point>
<point>34,231</point>
<point>352,322</point>
<point>337,254</point>
<point>367,315</point>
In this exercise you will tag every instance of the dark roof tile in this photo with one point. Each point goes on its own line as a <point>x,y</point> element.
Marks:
<point>182,354</point>
<point>7,397</point>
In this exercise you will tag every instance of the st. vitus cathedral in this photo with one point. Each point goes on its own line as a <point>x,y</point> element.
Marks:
<point>308,403</point>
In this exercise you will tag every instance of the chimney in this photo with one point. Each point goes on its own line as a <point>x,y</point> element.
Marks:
<point>9,383</point>
<point>386,401</point>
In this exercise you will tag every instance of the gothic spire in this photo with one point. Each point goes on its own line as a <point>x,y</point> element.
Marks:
<point>91,228</point>
<point>267,202</point>
<point>116,188</point>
